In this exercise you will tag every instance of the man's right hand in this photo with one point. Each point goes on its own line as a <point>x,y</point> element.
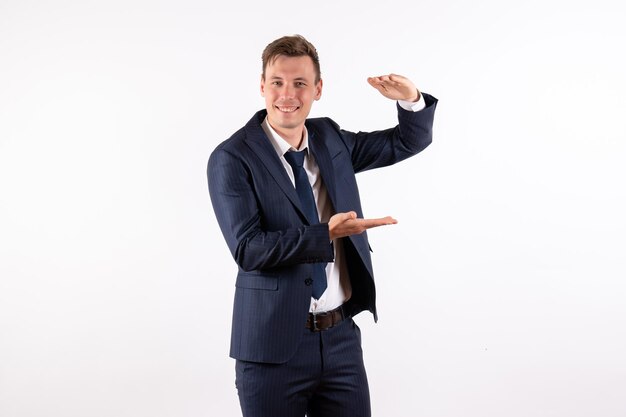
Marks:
<point>347,224</point>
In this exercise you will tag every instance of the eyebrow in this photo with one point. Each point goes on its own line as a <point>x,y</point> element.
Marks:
<point>276,77</point>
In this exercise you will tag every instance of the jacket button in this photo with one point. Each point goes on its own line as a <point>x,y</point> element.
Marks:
<point>308,282</point>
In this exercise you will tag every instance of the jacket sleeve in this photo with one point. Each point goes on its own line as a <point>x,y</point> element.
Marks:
<point>239,214</point>
<point>377,149</point>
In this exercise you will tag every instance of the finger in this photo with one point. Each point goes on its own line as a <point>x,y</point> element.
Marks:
<point>388,86</point>
<point>384,80</point>
<point>383,84</point>
<point>344,217</point>
<point>375,82</point>
<point>378,86</point>
<point>393,80</point>
<point>383,221</point>
<point>380,79</point>
<point>397,77</point>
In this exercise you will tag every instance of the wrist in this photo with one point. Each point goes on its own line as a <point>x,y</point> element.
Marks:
<point>415,98</point>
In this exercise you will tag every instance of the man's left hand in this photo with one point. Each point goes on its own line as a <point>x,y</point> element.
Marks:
<point>395,87</point>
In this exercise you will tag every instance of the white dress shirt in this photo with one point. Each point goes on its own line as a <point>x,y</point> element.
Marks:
<point>338,288</point>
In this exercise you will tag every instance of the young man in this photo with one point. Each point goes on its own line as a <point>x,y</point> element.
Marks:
<point>285,196</point>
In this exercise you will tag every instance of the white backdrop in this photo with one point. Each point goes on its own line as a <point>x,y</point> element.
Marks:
<point>501,290</point>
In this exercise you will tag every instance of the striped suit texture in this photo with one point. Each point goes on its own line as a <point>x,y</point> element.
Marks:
<point>274,245</point>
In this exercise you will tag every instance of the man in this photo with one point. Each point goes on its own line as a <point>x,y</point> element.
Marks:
<point>285,196</point>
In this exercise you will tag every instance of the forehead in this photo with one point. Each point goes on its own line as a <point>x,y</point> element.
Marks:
<point>290,67</point>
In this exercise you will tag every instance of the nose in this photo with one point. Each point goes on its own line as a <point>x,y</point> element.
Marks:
<point>287,91</point>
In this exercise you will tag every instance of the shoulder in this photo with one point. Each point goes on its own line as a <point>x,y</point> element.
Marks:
<point>325,126</point>
<point>234,144</point>
<point>322,122</point>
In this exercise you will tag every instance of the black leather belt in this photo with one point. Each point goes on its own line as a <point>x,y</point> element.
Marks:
<point>317,322</point>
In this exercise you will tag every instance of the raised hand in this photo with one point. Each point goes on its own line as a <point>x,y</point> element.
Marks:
<point>395,87</point>
<point>347,224</point>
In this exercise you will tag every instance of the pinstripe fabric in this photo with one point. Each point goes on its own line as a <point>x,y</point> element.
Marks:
<point>282,369</point>
<point>272,242</point>
<point>325,378</point>
<point>307,201</point>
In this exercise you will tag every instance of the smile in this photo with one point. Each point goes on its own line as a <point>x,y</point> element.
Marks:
<point>287,109</point>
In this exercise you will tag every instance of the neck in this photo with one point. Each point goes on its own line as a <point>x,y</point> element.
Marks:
<point>293,136</point>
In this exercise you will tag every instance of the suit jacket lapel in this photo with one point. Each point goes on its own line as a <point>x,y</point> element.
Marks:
<point>324,162</point>
<point>261,146</point>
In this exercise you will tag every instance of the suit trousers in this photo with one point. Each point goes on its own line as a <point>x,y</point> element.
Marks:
<point>325,378</point>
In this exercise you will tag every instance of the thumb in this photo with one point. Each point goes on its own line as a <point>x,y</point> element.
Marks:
<point>344,217</point>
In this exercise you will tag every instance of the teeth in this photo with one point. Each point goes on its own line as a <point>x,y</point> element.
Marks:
<point>287,109</point>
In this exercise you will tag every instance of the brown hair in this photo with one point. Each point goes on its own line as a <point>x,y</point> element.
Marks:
<point>293,46</point>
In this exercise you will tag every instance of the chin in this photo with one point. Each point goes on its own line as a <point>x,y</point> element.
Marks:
<point>288,120</point>
<point>289,125</point>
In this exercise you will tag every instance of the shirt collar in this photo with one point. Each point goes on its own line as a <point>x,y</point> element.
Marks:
<point>280,145</point>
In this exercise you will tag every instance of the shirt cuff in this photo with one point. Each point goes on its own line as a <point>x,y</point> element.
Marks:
<point>413,106</point>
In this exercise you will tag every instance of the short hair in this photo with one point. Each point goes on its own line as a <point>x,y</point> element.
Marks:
<point>293,46</point>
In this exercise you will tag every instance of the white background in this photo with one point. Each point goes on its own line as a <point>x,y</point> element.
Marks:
<point>501,290</point>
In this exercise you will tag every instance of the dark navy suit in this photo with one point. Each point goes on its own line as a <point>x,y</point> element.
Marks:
<point>273,244</point>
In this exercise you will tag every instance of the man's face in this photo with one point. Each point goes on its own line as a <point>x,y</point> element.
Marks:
<point>289,89</point>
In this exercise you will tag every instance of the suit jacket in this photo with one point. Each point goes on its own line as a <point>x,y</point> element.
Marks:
<point>272,242</point>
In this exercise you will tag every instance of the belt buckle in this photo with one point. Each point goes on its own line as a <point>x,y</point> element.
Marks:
<point>314,327</point>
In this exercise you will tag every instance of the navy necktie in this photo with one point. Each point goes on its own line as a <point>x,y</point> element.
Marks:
<point>305,194</point>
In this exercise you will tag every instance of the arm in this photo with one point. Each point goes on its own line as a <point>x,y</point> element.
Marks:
<point>383,148</point>
<point>413,133</point>
<point>240,214</point>
<point>395,87</point>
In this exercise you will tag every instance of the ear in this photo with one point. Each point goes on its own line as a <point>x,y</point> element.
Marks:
<point>318,90</point>
<point>262,86</point>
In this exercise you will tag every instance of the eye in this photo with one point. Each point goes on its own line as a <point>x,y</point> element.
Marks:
<point>300,84</point>
<point>277,83</point>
